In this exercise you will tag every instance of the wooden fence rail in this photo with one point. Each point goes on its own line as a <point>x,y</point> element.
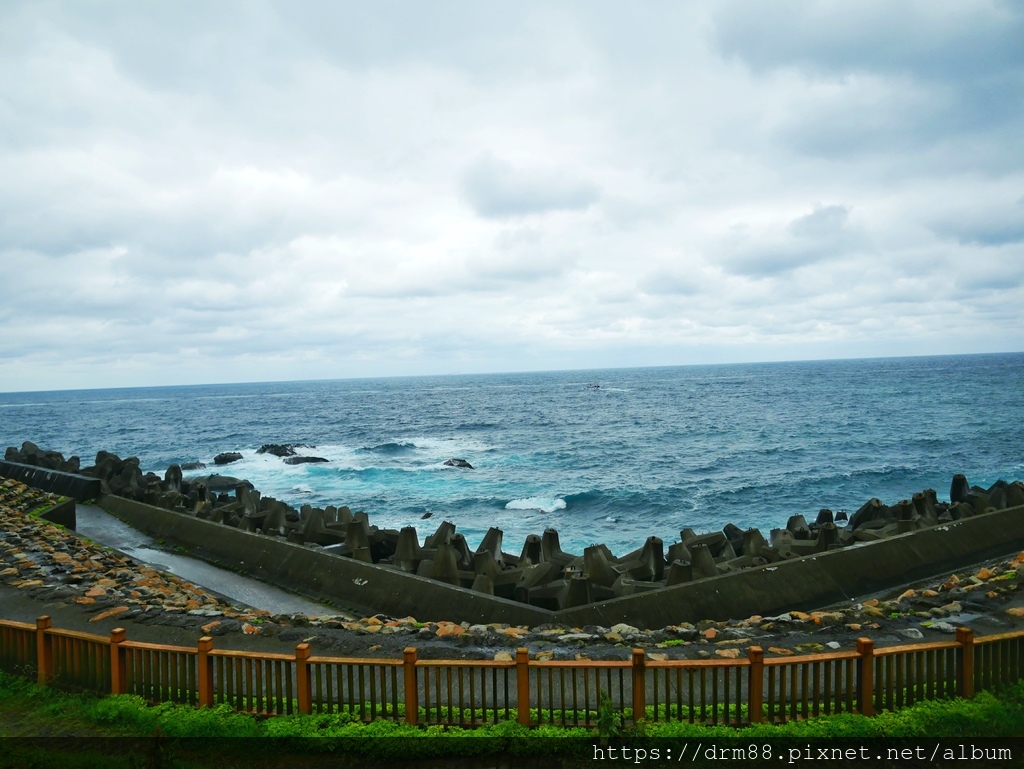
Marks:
<point>472,693</point>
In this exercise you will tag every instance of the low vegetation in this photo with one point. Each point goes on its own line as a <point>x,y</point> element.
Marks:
<point>178,736</point>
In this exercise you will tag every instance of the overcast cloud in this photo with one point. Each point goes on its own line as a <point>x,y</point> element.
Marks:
<point>237,191</point>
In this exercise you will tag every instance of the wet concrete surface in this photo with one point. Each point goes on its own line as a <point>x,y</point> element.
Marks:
<point>101,527</point>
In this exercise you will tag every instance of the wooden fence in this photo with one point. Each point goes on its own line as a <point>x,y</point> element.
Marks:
<point>469,693</point>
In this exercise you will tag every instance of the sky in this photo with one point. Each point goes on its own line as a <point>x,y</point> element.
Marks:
<point>197,192</point>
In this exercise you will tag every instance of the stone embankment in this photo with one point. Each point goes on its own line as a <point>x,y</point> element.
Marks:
<point>51,564</point>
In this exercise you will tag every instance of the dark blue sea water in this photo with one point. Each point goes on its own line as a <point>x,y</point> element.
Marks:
<point>647,451</point>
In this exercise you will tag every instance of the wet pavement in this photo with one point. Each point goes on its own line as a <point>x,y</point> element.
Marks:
<point>104,529</point>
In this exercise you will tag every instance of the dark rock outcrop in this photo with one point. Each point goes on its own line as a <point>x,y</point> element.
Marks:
<point>220,482</point>
<point>277,449</point>
<point>31,454</point>
<point>282,449</point>
<point>303,460</point>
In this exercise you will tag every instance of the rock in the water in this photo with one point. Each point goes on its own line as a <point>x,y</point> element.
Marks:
<point>458,463</point>
<point>278,449</point>
<point>193,466</point>
<point>227,458</point>
<point>220,482</point>
<point>302,460</point>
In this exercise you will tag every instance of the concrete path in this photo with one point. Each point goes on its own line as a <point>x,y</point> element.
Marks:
<point>101,527</point>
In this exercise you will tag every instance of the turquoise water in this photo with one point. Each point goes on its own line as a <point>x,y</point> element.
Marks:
<point>607,456</point>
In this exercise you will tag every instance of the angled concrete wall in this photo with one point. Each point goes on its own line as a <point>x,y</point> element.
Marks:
<point>62,514</point>
<point>815,581</point>
<point>347,582</point>
<point>78,487</point>
<point>802,583</point>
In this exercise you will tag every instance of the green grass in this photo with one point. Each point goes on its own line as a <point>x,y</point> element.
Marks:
<point>47,505</point>
<point>182,737</point>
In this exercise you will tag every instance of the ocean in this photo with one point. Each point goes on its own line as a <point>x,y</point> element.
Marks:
<point>610,456</point>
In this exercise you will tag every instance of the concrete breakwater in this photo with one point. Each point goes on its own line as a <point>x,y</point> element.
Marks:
<point>337,553</point>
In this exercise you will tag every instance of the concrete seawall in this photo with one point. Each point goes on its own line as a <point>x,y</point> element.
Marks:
<point>345,581</point>
<point>78,487</point>
<point>818,580</point>
<point>801,583</point>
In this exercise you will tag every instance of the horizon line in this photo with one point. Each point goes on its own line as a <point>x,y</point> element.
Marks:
<point>519,371</point>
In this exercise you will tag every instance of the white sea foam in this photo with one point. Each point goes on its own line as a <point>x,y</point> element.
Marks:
<point>445,446</point>
<point>544,504</point>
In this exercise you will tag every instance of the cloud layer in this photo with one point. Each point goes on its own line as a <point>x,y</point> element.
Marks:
<point>258,190</point>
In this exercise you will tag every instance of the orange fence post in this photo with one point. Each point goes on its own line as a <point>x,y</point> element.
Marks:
<point>412,704</point>
<point>204,671</point>
<point>118,663</point>
<point>523,685</point>
<point>302,681</point>
<point>755,684</point>
<point>44,650</point>
<point>965,662</point>
<point>866,677</point>
<point>639,685</point>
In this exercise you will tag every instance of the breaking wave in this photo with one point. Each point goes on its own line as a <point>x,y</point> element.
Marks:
<point>544,504</point>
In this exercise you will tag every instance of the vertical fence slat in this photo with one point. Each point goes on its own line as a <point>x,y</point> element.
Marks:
<point>886,680</point>
<point>204,671</point>
<point>816,711</point>
<point>551,694</point>
<point>755,683</point>
<point>373,694</point>
<point>44,650</point>
<point>679,693</point>
<point>302,683</point>
<point>576,703</point>
<point>409,673</point>
<point>804,685</point>
<point>117,661</point>
<point>703,694</point>
<point>725,692</point>
<point>865,676</point>
<point>793,695</point>
<point>333,688</point>
<point>437,695</point>
<point>965,662</point>
<point>586,693</point>
<point>639,685</point>
<point>522,686</point>
<point>394,694</point>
